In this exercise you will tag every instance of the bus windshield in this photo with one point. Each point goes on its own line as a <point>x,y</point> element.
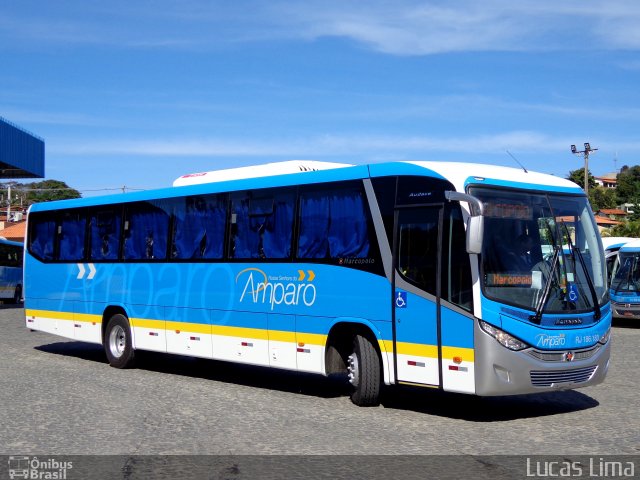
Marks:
<point>626,276</point>
<point>541,252</point>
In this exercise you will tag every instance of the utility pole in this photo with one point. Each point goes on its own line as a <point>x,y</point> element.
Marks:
<point>587,150</point>
<point>9,205</point>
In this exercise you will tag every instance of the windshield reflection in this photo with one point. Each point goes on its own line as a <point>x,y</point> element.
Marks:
<point>541,252</point>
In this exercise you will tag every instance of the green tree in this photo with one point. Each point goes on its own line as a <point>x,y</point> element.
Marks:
<point>48,190</point>
<point>577,176</point>
<point>627,229</point>
<point>628,189</point>
<point>601,197</point>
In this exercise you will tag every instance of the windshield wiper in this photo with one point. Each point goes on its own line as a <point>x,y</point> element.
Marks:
<point>592,289</point>
<point>629,264</point>
<point>537,318</point>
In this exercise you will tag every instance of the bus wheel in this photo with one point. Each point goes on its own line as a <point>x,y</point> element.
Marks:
<point>117,342</point>
<point>364,372</point>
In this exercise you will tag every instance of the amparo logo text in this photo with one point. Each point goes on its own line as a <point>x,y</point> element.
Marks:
<point>290,290</point>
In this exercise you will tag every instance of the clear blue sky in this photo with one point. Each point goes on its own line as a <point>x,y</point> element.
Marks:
<point>137,93</point>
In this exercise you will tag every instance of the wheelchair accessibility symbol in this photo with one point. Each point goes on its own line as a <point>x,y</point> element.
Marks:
<point>401,299</point>
<point>572,294</point>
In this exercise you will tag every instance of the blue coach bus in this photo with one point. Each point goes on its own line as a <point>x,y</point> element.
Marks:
<point>625,281</point>
<point>11,255</point>
<point>443,275</point>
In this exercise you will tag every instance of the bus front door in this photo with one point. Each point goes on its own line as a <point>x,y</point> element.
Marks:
<point>417,266</point>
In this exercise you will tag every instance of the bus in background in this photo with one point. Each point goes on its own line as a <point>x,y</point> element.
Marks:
<point>625,281</point>
<point>611,246</point>
<point>11,257</point>
<point>441,275</point>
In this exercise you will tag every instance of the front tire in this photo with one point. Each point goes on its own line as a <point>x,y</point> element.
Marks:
<point>364,372</point>
<point>117,342</point>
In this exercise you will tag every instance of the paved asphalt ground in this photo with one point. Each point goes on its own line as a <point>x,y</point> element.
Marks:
<point>61,397</point>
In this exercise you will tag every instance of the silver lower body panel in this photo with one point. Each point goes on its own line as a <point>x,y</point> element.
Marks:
<point>500,371</point>
<point>625,310</point>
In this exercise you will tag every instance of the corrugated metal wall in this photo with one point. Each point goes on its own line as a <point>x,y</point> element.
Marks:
<point>21,153</point>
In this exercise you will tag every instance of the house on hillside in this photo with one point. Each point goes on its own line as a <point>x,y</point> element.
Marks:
<point>607,218</point>
<point>613,213</point>
<point>608,180</point>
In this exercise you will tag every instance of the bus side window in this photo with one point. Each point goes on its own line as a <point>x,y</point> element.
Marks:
<point>333,224</point>
<point>42,235</point>
<point>456,278</point>
<point>199,224</point>
<point>72,236</point>
<point>261,224</point>
<point>146,231</point>
<point>105,234</point>
<point>418,246</point>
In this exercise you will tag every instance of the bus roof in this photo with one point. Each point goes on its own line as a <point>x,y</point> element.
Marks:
<point>11,242</point>
<point>633,246</point>
<point>256,171</point>
<point>614,243</point>
<point>459,174</point>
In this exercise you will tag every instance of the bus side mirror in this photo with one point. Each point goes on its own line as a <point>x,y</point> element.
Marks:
<point>475,233</point>
<point>475,223</point>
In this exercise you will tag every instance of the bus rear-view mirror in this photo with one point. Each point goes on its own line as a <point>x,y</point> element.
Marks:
<point>475,232</point>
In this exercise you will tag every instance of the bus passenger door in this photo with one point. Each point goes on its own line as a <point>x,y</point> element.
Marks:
<point>416,306</point>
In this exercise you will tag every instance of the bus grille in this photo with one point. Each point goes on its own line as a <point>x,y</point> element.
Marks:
<point>546,378</point>
<point>560,356</point>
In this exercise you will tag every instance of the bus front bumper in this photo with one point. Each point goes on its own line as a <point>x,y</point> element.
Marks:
<point>500,371</point>
<point>626,310</point>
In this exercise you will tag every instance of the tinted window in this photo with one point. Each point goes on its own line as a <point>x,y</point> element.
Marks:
<point>72,236</point>
<point>105,233</point>
<point>261,224</point>
<point>42,233</point>
<point>418,246</point>
<point>10,255</point>
<point>146,231</point>
<point>333,224</point>
<point>198,229</point>
<point>456,279</point>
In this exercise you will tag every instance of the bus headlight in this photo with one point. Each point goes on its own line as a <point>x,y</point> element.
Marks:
<point>605,338</point>
<point>512,343</point>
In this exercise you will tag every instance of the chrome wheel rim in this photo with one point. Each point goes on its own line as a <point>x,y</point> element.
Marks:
<point>117,341</point>
<point>353,370</point>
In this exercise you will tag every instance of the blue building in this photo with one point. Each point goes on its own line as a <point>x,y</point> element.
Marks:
<point>21,153</point>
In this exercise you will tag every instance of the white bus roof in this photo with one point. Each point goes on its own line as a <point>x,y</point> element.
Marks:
<point>458,173</point>
<point>633,246</point>
<point>616,242</point>
<point>255,171</point>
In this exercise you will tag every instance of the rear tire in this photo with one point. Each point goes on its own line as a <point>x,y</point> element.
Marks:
<point>364,373</point>
<point>117,342</point>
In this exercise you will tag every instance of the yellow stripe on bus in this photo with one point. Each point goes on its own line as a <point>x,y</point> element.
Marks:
<point>188,327</point>
<point>282,336</point>
<point>146,323</point>
<point>417,349</point>
<point>429,351</point>
<point>49,314</point>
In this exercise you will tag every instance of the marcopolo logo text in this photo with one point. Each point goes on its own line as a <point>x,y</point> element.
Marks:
<point>290,290</point>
